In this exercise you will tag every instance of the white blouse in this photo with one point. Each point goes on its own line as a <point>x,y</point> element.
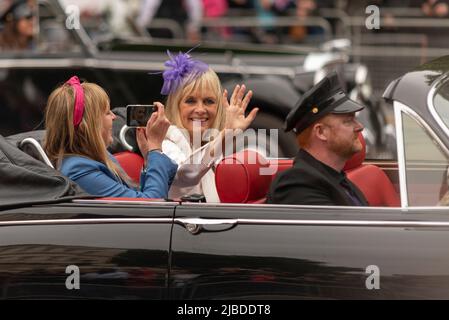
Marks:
<point>195,167</point>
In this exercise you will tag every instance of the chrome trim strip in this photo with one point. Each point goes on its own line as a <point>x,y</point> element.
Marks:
<point>282,206</point>
<point>401,154</point>
<point>84,221</point>
<point>259,206</point>
<point>133,202</point>
<point>202,221</point>
<point>439,82</point>
<point>337,223</point>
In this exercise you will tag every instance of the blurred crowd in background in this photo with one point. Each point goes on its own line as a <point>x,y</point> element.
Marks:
<point>193,15</point>
<point>125,16</point>
<point>411,31</point>
<point>256,21</point>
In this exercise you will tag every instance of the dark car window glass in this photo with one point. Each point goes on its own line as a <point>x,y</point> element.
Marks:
<point>425,164</point>
<point>24,94</point>
<point>441,103</point>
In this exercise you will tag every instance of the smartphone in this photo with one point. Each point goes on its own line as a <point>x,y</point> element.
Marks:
<point>137,115</point>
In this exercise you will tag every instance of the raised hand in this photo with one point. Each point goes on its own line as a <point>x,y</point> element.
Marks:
<point>236,107</point>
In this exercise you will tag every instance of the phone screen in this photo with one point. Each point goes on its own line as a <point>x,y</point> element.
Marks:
<point>137,115</point>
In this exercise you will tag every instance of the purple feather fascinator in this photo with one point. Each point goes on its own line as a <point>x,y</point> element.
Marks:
<point>180,69</point>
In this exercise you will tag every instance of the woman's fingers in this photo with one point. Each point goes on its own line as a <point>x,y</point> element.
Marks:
<point>160,109</point>
<point>246,100</point>
<point>252,115</point>
<point>151,121</point>
<point>140,132</point>
<point>237,96</point>
<point>225,99</point>
<point>142,141</point>
<point>240,94</point>
<point>233,100</point>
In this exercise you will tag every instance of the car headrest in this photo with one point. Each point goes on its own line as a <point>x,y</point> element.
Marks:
<point>238,177</point>
<point>357,159</point>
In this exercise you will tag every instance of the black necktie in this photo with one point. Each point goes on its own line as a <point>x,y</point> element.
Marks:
<point>350,192</point>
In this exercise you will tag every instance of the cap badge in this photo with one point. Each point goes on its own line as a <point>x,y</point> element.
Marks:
<point>315,109</point>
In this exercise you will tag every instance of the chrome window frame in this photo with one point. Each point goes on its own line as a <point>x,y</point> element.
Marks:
<point>399,109</point>
<point>431,106</point>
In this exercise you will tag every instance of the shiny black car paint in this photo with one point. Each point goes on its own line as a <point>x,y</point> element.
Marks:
<point>121,252</point>
<point>275,252</point>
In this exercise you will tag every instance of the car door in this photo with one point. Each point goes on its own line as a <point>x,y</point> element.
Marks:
<point>301,252</point>
<point>89,249</point>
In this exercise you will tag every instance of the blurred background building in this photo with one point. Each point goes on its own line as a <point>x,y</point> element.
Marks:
<point>410,32</point>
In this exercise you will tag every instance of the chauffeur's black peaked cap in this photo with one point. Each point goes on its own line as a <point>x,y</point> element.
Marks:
<point>327,96</point>
<point>18,9</point>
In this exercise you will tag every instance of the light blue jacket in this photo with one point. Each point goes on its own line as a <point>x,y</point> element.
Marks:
<point>95,178</point>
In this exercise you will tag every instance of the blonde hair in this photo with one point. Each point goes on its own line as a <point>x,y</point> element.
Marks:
<point>63,139</point>
<point>209,79</point>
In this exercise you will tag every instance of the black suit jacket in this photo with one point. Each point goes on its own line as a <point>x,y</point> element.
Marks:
<point>311,182</point>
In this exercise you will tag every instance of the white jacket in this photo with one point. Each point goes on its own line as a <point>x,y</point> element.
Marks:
<point>195,168</point>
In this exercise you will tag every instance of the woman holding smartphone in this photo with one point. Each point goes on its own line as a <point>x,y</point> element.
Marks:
<point>203,120</point>
<point>78,123</point>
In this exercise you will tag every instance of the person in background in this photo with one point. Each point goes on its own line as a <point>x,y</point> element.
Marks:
<point>117,15</point>
<point>435,8</point>
<point>187,13</point>
<point>217,9</point>
<point>18,26</point>
<point>78,124</point>
<point>202,120</point>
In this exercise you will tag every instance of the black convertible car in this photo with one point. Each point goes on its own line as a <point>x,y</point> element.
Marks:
<point>277,75</point>
<point>57,242</point>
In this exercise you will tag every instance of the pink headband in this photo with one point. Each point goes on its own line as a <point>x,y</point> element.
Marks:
<point>79,100</point>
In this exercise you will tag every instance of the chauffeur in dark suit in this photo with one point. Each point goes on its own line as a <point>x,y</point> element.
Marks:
<point>327,133</point>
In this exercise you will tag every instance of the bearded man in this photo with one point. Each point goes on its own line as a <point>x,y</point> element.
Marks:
<point>327,133</point>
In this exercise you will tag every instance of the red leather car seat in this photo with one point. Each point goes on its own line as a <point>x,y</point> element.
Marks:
<point>131,163</point>
<point>240,182</point>
<point>238,178</point>
<point>371,180</point>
